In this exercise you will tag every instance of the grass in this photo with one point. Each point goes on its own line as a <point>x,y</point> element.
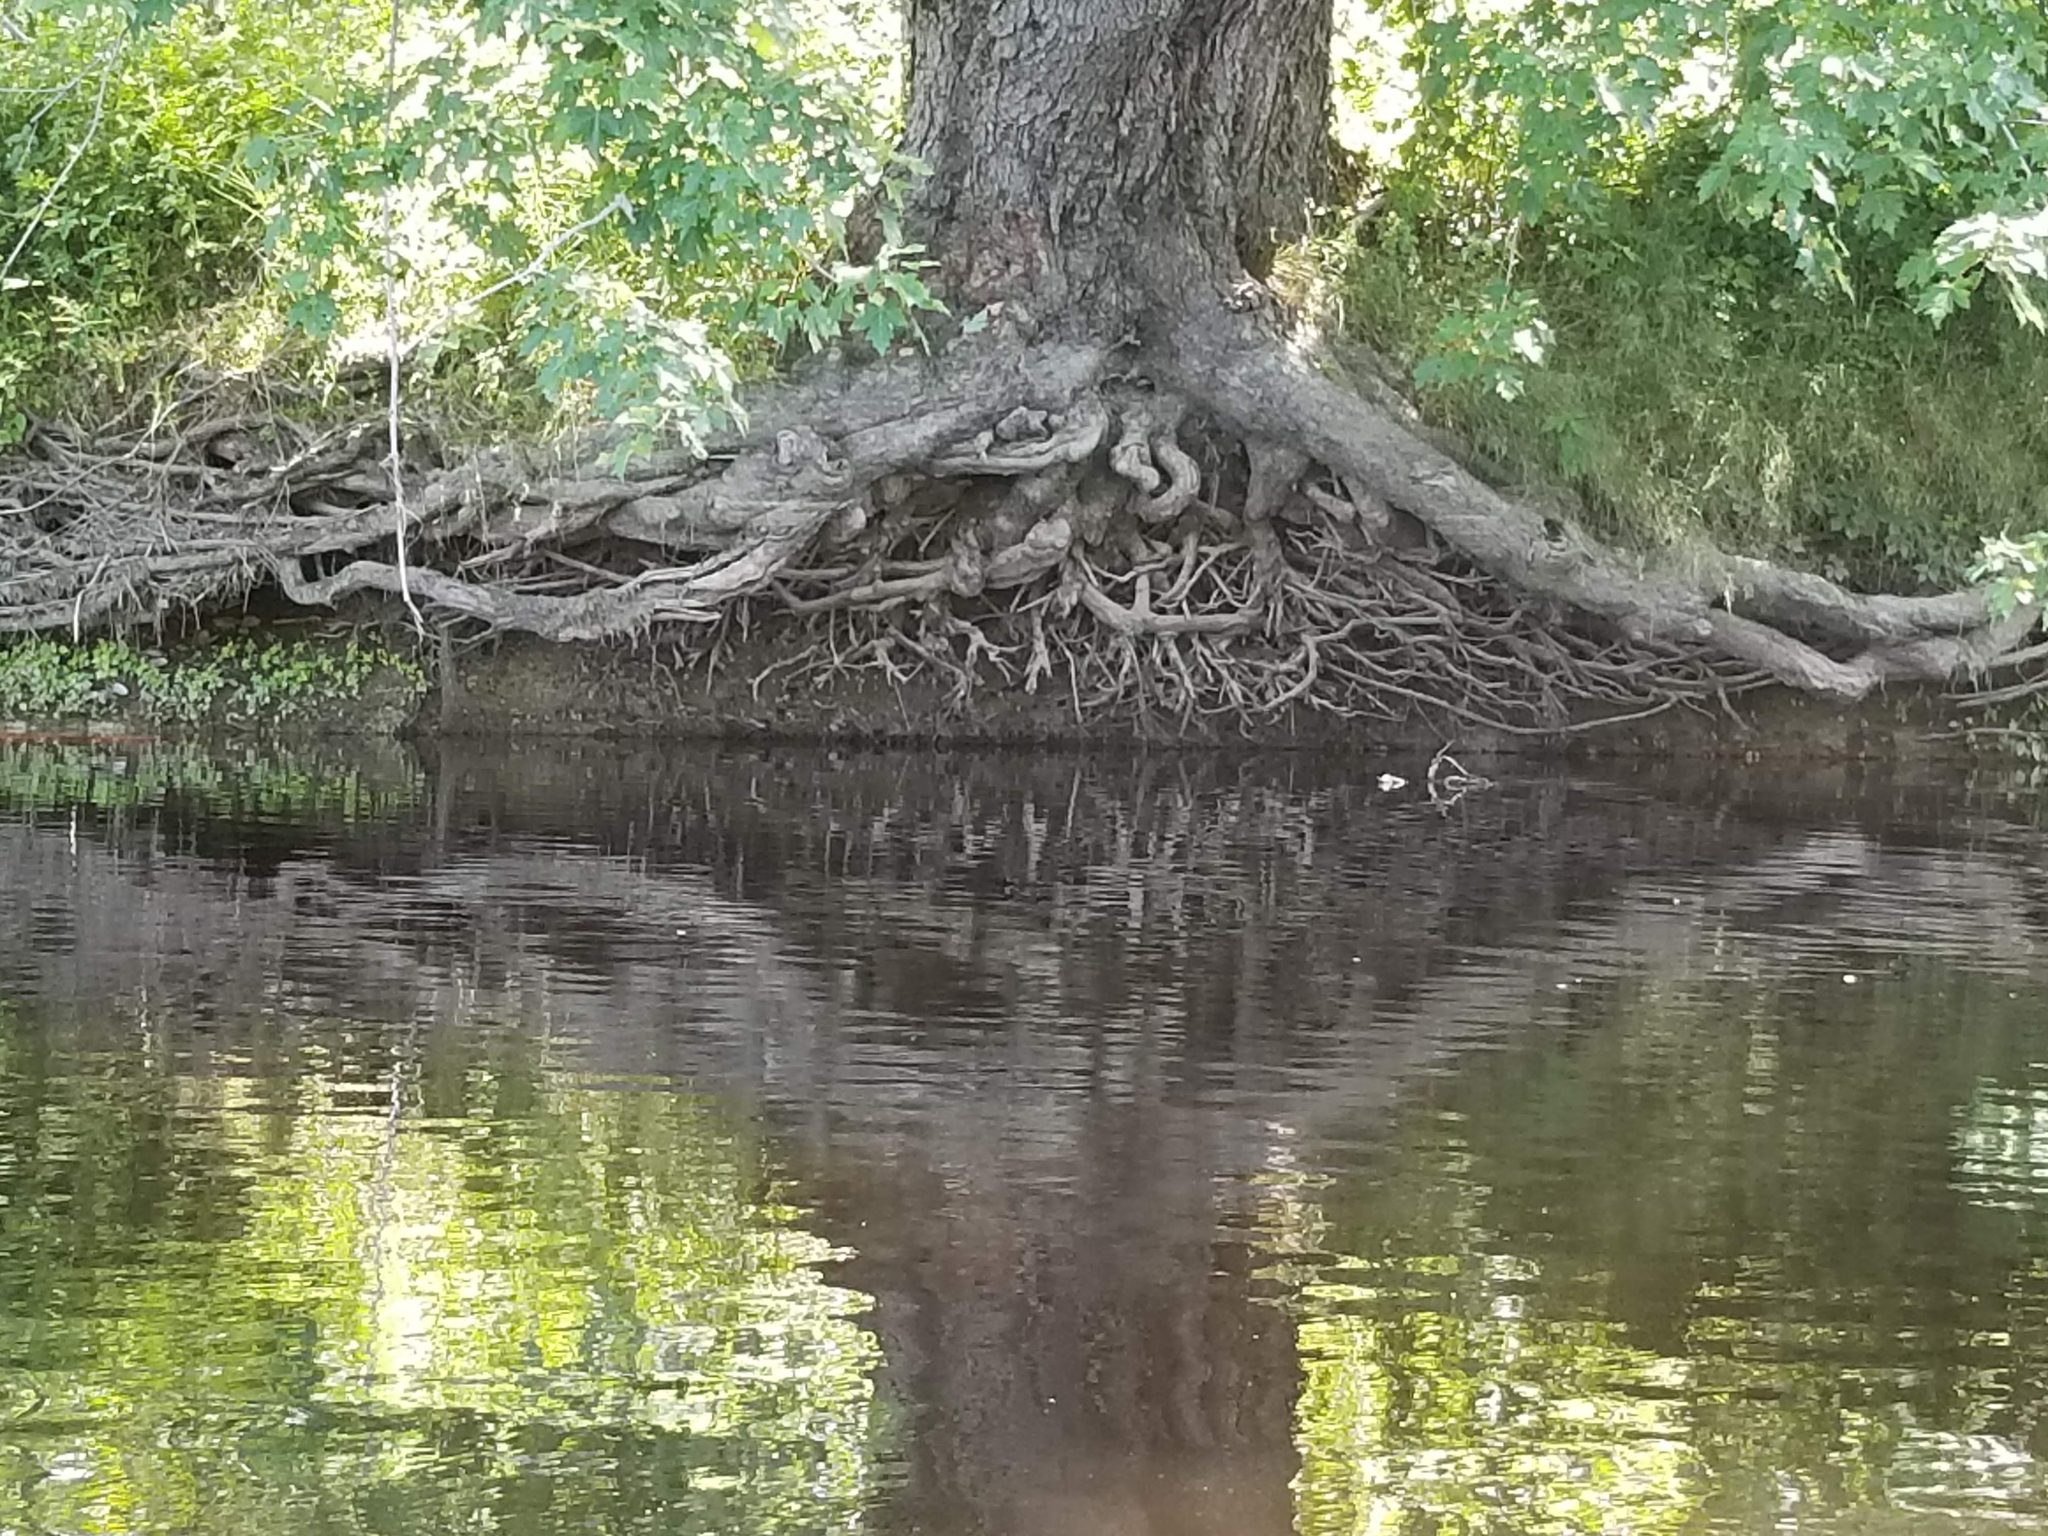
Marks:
<point>1696,383</point>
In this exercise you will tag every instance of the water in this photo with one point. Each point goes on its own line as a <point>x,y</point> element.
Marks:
<point>550,1142</point>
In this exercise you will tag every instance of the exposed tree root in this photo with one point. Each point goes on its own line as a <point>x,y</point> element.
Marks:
<point>1786,623</point>
<point>1211,530</point>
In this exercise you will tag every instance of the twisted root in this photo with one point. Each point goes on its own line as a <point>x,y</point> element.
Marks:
<point>1250,542</point>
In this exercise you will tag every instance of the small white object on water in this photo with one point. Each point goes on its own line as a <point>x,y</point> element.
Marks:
<point>1390,781</point>
<point>1848,978</point>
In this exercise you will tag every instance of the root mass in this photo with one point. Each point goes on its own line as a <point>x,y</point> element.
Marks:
<point>1125,483</point>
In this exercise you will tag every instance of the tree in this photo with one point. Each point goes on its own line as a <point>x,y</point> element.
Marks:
<point>1117,455</point>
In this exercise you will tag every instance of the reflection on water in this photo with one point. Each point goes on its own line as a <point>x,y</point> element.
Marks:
<point>1717,1256</point>
<point>768,1143</point>
<point>230,1303</point>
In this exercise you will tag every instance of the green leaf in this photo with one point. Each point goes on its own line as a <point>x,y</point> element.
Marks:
<point>317,315</point>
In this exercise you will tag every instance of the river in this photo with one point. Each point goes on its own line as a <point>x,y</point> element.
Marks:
<point>554,1139</point>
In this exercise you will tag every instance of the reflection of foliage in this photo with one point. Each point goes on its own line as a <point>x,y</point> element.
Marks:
<point>112,775</point>
<point>1437,1399</point>
<point>2002,1146</point>
<point>1463,1424</point>
<point>250,1309</point>
<point>1685,1271</point>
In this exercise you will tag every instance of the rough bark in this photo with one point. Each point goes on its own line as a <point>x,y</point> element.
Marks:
<point>1061,134</point>
<point>1120,481</point>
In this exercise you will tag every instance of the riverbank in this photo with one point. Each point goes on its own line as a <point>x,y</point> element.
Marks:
<point>364,679</point>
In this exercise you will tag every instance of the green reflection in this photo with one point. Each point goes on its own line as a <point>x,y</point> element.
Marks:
<point>1700,1256</point>
<point>120,774</point>
<point>1453,1423</point>
<point>231,1305</point>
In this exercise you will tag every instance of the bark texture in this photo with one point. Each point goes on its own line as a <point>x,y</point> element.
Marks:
<point>1124,480</point>
<point>1064,134</point>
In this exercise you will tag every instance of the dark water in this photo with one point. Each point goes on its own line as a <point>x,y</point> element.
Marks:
<point>550,1143</point>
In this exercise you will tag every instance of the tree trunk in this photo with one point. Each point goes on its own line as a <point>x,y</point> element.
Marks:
<point>1064,137</point>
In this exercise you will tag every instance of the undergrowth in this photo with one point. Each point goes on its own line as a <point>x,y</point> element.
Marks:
<point>126,213</point>
<point>1686,379</point>
<point>237,681</point>
<point>237,189</point>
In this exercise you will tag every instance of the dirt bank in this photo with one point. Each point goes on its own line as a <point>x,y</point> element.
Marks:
<point>531,688</point>
<point>283,676</point>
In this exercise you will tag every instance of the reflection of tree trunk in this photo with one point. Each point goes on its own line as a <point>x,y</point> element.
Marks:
<point>1085,1358</point>
<point>378,1197</point>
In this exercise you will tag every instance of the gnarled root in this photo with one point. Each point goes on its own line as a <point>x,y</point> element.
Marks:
<point>127,530</point>
<point>1219,534</point>
<point>1792,626</point>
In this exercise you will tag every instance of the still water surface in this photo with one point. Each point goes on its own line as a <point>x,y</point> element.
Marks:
<point>552,1142</point>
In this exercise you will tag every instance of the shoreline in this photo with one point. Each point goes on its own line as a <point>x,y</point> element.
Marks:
<point>514,689</point>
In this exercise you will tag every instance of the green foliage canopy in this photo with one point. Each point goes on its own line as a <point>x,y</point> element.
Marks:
<point>704,156</point>
<point>1707,266</point>
<point>1908,135</point>
<point>631,206</point>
